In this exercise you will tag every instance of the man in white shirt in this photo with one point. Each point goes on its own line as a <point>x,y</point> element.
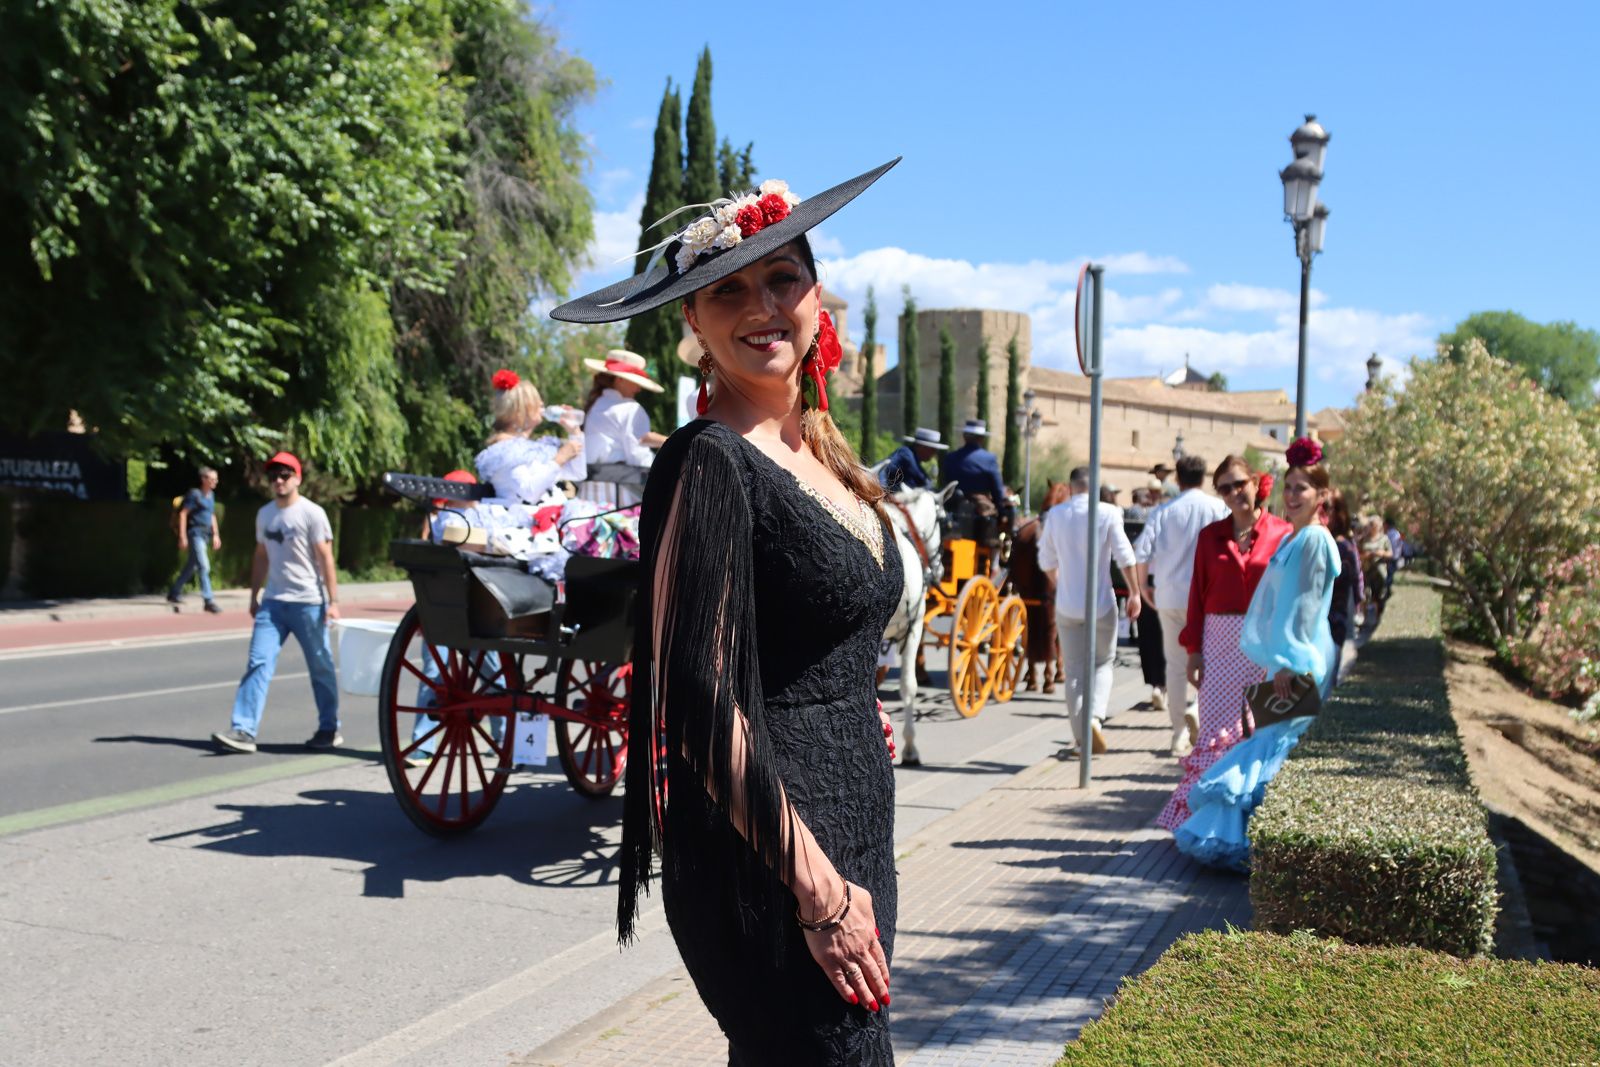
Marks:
<point>1166,558</point>
<point>1063,555</point>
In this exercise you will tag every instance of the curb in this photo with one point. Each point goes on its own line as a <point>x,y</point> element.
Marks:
<point>42,612</point>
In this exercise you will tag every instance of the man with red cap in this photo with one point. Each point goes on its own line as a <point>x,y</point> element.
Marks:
<point>293,590</point>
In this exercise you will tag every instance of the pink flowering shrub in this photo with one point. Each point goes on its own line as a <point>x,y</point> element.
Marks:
<point>1562,656</point>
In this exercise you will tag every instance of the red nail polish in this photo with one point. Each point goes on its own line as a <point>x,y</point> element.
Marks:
<point>875,932</point>
<point>886,997</point>
<point>854,999</point>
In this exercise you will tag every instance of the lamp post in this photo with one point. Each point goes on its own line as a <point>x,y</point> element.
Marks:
<point>1177,448</point>
<point>1374,368</point>
<point>1028,419</point>
<point>1310,219</point>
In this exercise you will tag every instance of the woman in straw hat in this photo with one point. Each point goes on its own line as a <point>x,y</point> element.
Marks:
<point>617,439</point>
<point>766,591</point>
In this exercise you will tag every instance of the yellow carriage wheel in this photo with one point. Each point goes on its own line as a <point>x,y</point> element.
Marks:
<point>970,635</point>
<point>1008,651</point>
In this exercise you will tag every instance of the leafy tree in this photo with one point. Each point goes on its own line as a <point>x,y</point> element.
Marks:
<point>1462,458</point>
<point>1011,460</point>
<point>203,210</point>
<point>735,170</point>
<point>701,183</point>
<point>910,399</point>
<point>1560,356</point>
<point>869,382</point>
<point>1218,382</point>
<point>947,384</point>
<point>983,380</point>
<point>655,334</point>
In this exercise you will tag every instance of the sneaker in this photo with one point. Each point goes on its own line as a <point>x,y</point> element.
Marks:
<point>212,609</point>
<point>174,598</point>
<point>235,741</point>
<point>418,759</point>
<point>1158,699</point>
<point>1180,740</point>
<point>1097,744</point>
<point>326,739</point>
<point>1191,721</point>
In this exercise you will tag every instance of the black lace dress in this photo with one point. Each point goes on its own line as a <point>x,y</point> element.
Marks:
<point>760,598</point>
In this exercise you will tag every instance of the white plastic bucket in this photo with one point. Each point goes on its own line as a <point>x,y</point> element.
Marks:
<point>363,646</point>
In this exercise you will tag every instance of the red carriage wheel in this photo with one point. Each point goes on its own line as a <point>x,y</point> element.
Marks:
<point>594,748</point>
<point>448,773</point>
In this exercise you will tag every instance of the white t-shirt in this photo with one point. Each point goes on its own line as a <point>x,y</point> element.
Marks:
<point>1064,547</point>
<point>1167,544</point>
<point>290,536</point>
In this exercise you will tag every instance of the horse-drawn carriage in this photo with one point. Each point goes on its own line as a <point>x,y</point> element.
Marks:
<point>464,667</point>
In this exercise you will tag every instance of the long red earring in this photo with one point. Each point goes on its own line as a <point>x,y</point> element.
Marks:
<point>703,401</point>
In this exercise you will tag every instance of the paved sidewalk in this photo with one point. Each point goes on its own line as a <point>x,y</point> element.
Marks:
<point>155,605</point>
<point>1020,915</point>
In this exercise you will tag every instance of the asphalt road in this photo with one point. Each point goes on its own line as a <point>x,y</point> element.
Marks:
<point>161,904</point>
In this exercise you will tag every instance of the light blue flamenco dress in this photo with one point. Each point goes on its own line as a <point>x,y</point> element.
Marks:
<point>1285,627</point>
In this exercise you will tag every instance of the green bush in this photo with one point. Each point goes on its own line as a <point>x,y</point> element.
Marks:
<point>1372,832</point>
<point>363,538</point>
<point>1247,998</point>
<point>78,548</point>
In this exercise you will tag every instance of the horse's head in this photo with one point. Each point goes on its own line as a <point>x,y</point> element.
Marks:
<point>926,509</point>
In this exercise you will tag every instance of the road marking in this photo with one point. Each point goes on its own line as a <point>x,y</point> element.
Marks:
<point>163,794</point>
<point>432,1030</point>
<point>109,697</point>
<point>115,644</point>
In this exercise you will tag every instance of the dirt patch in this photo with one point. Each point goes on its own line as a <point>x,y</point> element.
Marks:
<point>1529,758</point>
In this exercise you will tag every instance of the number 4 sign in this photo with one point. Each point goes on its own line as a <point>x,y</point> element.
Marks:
<point>529,739</point>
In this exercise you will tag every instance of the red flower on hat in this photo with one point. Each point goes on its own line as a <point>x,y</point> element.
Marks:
<point>1305,452</point>
<point>750,220</point>
<point>506,379</point>
<point>774,208</point>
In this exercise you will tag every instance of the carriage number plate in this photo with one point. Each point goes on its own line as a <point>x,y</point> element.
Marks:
<point>532,735</point>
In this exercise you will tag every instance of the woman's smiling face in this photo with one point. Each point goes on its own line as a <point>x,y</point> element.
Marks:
<point>759,321</point>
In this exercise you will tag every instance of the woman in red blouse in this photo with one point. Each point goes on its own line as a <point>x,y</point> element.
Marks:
<point>1229,559</point>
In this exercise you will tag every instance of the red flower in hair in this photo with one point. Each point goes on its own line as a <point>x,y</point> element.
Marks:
<point>750,220</point>
<point>774,208</point>
<point>829,353</point>
<point>1264,488</point>
<point>506,379</point>
<point>1305,452</point>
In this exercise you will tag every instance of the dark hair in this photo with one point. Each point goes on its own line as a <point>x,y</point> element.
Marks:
<point>1079,477</point>
<point>1316,474</point>
<point>601,383</point>
<point>1191,472</point>
<point>1338,515</point>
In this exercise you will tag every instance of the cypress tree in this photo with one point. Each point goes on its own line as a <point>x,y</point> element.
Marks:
<point>700,178</point>
<point>947,384</point>
<point>1011,462</point>
<point>910,398</point>
<point>734,169</point>
<point>655,334</point>
<point>983,379</point>
<point>869,384</point>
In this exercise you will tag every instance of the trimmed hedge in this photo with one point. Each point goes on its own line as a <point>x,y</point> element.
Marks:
<point>1247,998</point>
<point>1373,832</point>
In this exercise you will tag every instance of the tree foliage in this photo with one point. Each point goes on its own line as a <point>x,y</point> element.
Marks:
<point>910,395</point>
<point>655,334</point>
<point>1218,382</point>
<point>1476,463</point>
<point>736,170</point>
<point>982,399</point>
<point>1560,356</point>
<point>207,208</point>
<point>947,384</point>
<point>869,382</point>
<point>1011,460</point>
<point>701,183</point>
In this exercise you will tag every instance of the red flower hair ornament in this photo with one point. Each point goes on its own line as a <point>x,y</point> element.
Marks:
<point>1264,488</point>
<point>506,379</point>
<point>1305,452</point>
<point>826,361</point>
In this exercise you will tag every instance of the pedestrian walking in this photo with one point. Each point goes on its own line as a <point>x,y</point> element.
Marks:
<point>904,468</point>
<point>1063,555</point>
<point>768,577</point>
<point>1230,557</point>
<point>1038,592</point>
<point>1166,556</point>
<point>294,590</point>
<point>1349,589</point>
<point>618,443</point>
<point>197,531</point>
<point>1285,636</point>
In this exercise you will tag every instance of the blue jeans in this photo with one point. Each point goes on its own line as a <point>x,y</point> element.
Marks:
<point>275,621</point>
<point>489,671</point>
<point>199,541</point>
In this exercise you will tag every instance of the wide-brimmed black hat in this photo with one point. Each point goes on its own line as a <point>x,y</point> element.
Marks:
<point>663,283</point>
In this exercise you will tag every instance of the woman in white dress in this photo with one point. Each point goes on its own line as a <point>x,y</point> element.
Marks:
<point>616,430</point>
<point>523,470</point>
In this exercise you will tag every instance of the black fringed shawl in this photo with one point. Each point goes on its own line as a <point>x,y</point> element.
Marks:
<point>695,670</point>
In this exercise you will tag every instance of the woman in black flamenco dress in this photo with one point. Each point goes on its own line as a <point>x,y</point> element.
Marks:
<point>759,768</point>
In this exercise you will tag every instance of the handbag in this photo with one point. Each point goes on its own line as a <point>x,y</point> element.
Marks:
<point>1262,703</point>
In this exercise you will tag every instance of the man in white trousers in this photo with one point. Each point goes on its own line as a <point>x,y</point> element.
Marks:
<point>1063,555</point>
<point>1165,551</point>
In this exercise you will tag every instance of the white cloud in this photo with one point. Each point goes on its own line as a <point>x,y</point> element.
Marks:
<point>642,122</point>
<point>616,237</point>
<point>1142,263</point>
<point>614,184</point>
<point>824,244</point>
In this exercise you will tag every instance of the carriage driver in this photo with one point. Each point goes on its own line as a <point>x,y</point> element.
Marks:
<point>976,470</point>
<point>904,467</point>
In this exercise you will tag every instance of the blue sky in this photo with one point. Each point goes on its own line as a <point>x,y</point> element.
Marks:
<point>1148,137</point>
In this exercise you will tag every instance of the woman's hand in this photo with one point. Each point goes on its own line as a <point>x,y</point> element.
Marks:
<point>571,424</point>
<point>851,956</point>
<point>888,728</point>
<point>1197,669</point>
<point>1283,684</point>
<point>569,448</point>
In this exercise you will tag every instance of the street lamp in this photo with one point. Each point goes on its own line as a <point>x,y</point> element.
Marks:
<point>1177,448</point>
<point>1310,219</point>
<point>1028,419</point>
<point>1374,367</point>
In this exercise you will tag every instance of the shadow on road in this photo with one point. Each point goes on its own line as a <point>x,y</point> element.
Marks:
<point>262,748</point>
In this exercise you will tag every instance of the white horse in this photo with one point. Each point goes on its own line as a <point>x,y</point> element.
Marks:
<point>916,516</point>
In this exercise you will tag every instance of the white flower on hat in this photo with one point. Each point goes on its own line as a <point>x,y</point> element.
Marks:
<point>726,214</point>
<point>700,233</point>
<point>781,188</point>
<point>729,237</point>
<point>685,258</point>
